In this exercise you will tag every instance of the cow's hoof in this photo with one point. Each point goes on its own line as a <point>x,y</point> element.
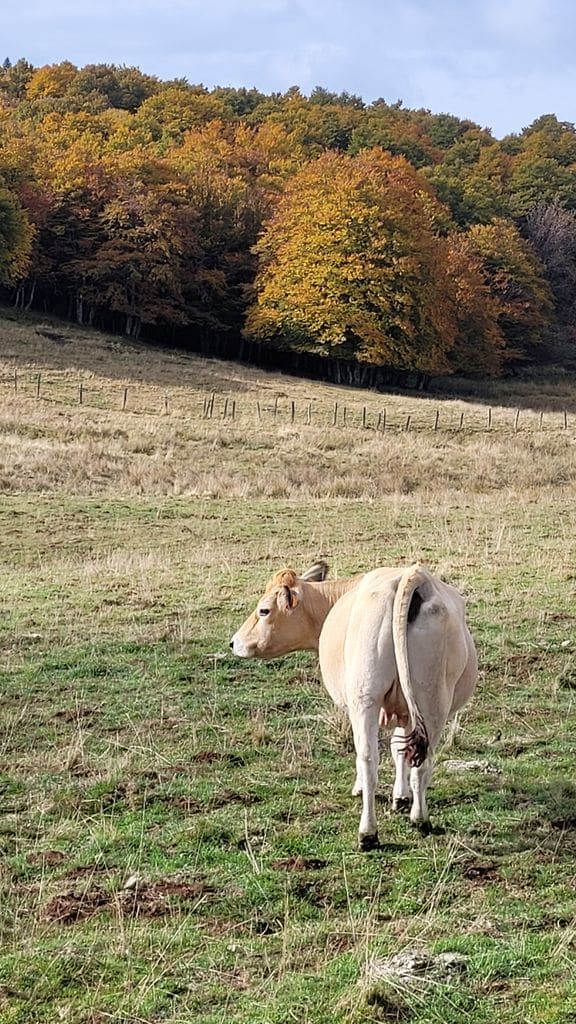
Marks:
<point>401,805</point>
<point>423,827</point>
<point>368,842</point>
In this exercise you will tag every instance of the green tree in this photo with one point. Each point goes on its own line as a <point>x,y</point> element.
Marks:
<point>14,80</point>
<point>473,180</point>
<point>171,112</point>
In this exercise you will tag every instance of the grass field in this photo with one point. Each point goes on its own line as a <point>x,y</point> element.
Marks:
<point>177,835</point>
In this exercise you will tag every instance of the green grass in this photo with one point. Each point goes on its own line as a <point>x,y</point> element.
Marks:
<point>132,744</point>
<point>177,835</point>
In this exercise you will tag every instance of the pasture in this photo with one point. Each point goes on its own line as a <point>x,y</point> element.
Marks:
<point>177,834</point>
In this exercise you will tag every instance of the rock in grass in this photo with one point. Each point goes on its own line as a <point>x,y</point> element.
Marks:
<point>414,969</point>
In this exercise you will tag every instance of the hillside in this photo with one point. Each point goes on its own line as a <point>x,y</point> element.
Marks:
<point>89,414</point>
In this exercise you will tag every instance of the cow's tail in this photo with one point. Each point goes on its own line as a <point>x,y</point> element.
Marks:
<point>416,748</point>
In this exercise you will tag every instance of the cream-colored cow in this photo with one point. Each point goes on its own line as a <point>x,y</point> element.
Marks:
<point>394,648</point>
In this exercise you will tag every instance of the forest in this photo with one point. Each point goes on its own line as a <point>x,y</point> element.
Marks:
<point>360,242</point>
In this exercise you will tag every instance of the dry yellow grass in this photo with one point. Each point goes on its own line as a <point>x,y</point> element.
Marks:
<point>267,434</point>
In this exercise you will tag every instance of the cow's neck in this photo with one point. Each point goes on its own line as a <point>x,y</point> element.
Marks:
<point>321,597</point>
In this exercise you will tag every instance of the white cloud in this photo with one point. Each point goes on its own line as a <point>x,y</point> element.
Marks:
<point>499,62</point>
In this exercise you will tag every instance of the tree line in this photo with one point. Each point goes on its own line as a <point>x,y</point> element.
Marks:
<point>367,239</point>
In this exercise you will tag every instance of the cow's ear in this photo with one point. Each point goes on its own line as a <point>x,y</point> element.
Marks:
<point>287,599</point>
<point>316,573</point>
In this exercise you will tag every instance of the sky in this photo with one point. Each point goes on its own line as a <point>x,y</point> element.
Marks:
<point>501,63</point>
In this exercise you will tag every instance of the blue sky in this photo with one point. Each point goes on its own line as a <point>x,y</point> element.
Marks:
<point>500,62</point>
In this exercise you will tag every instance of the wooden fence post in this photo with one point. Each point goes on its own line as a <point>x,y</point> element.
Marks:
<point>383,421</point>
<point>125,398</point>
<point>489,418</point>
<point>516,418</point>
<point>335,414</point>
<point>408,419</point>
<point>15,382</point>
<point>80,393</point>
<point>461,421</point>
<point>541,421</point>
<point>38,386</point>
<point>292,412</point>
<point>565,420</point>
<point>436,418</point>
<point>275,406</point>
<point>364,417</point>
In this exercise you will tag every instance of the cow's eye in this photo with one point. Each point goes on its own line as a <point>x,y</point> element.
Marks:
<point>263,611</point>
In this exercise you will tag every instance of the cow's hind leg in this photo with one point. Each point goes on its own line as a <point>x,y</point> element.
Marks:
<point>420,776</point>
<point>365,728</point>
<point>419,782</point>
<point>401,792</point>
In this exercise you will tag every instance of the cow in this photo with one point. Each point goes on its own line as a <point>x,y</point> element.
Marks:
<point>394,649</point>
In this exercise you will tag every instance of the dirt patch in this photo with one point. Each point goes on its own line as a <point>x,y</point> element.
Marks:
<point>267,926</point>
<point>299,863</point>
<point>565,824</point>
<point>75,714</point>
<point>209,756</point>
<point>46,858</point>
<point>481,871</point>
<point>84,871</point>
<point>153,899</point>
<point>143,899</point>
<point>311,890</point>
<point>339,943</point>
<point>70,907</point>
<point>192,805</point>
<point>230,796</point>
<point>522,666</point>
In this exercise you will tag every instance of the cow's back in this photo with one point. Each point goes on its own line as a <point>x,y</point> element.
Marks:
<point>354,638</point>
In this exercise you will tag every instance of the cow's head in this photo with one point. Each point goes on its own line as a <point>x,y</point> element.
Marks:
<point>281,621</point>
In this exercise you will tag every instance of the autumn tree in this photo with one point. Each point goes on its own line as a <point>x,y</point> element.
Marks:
<point>51,80</point>
<point>518,283</point>
<point>351,268</point>
<point>315,125</point>
<point>15,239</point>
<point>145,257</point>
<point>233,175</point>
<point>479,346</point>
<point>171,112</point>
